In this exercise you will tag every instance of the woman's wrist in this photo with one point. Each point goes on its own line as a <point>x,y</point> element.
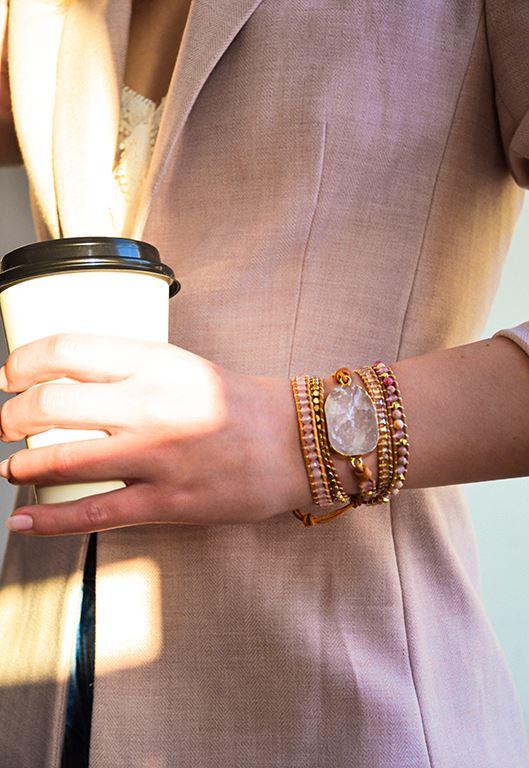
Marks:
<point>281,443</point>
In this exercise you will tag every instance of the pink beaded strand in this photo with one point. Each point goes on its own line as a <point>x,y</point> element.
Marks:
<point>309,440</point>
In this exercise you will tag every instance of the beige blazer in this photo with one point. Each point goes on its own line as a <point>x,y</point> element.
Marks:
<point>332,183</point>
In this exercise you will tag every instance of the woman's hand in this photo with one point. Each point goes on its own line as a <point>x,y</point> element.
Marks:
<point>193,442</point>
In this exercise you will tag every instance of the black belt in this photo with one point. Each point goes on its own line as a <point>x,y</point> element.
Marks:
<point>76,744</point>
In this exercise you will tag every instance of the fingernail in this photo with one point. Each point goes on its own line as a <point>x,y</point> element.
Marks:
<point>19,523</point>
<point>4,468</point>
<point>3,379</point>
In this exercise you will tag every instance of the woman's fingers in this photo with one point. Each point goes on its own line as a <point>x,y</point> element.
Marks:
<point>71,405</point>
<point>84,357</point>
<point>104,458</point>
<point>134,505</point>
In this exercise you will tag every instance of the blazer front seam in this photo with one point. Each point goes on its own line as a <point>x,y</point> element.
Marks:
<point>406,635</point>
<point>434,188</point>
<point>305,251</point>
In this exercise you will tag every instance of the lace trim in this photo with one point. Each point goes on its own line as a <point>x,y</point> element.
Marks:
<point>136,110</point>
<point>138,128</point>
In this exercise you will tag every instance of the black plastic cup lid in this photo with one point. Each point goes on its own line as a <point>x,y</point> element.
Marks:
<point>75,254</point>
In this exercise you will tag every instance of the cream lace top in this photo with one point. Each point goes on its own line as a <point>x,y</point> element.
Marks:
<point>138,127</point>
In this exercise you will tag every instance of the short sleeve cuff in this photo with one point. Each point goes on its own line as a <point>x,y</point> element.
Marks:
<point>519,334</point>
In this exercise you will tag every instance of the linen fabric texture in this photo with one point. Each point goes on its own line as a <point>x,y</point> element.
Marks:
<point>332,183</point>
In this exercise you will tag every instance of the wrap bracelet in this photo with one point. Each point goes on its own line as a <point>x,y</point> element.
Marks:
<point>380,404</point>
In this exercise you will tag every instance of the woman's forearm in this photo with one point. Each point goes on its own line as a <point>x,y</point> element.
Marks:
<point>468,415</point>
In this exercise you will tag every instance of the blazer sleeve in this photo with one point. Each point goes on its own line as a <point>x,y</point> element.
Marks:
<point>508,36</point>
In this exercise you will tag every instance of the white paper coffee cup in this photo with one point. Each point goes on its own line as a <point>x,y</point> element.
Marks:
<point>108,286</point>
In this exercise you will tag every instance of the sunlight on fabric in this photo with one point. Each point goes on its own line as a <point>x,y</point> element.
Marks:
<point>155,762</point>
<point>128,623</point>
<point>128,615</point>
<point>43,662</point>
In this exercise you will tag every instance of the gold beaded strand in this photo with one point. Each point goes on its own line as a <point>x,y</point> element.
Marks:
<point>336,488</point>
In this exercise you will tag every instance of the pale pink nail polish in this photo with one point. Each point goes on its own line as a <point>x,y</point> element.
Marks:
<point>4,468</point>
<point>19,523</point>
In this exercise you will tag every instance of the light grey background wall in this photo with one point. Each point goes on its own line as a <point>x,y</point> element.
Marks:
<point>500,509</point>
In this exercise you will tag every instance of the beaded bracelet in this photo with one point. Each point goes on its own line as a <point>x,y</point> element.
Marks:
<point>309,441</point>
<point>337,491</point>
<point>374,389</point>
<point>316,409</point>
<point>384,452</point>
<point>397,425</point>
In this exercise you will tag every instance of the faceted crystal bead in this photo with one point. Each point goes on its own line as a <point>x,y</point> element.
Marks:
<point>351,420</point>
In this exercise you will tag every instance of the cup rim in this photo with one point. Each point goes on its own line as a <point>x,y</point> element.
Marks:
<point>78,254</point>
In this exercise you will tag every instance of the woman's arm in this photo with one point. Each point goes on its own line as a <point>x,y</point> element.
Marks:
<point>196,443</point>
<point>468,415</point>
